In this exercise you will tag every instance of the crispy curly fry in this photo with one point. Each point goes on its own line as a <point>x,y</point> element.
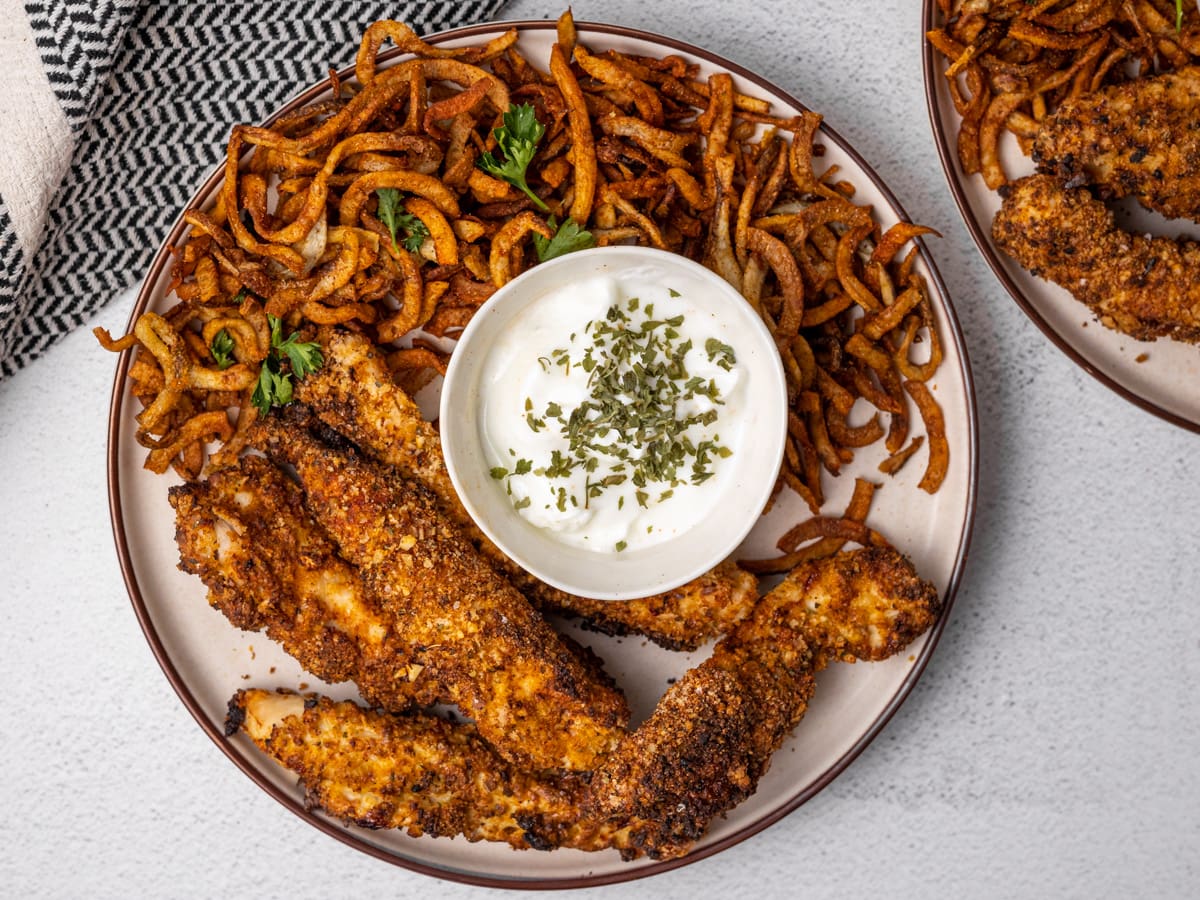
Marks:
<point>935,427</point>
<point>328,278</point>
<point>199,428</point>
<point>583,150</point>
<point>783,264</point>
<point>445,241</point>
<point>895,462</point>
<point>409,317</point>
<point>355,197</point>
<point>182,372</point>
<point>507,238</point>
<point>114,346</point>
<point>614,76</point>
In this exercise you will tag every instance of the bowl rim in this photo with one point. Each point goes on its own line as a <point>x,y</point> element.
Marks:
<point>327,825</point>
<point>981,236</point>
<point>497,527</point>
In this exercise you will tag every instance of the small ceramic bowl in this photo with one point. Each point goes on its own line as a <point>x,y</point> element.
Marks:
<point>744,484</point>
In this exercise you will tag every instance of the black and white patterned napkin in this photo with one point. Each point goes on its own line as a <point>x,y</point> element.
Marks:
<point>117,109</point>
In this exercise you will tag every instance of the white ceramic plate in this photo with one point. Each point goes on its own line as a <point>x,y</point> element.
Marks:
<point>1160,376</point>
<point>206,659</point>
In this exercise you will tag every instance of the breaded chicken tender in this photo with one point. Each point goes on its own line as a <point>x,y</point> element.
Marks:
<point>701,752</point>
<point>497,658</point>
<point>1143,286</point>
<point>269,566</point>
<point>420,773</point>
<point>711,737</point>
<point>1137,139</point>
<point>353,393</point>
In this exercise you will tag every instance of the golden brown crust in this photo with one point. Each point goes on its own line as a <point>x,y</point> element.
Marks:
<point>1143,286</point>
<point>1135,139</point>
<point>702,751</point>
<point>498,659</point>
<point>268,566</point>
<point>868,606</point>
<point>354,394</point>
<point>711,737</point>
<point>694,759</point>
<point>420,773</point>
<point>680,619</point>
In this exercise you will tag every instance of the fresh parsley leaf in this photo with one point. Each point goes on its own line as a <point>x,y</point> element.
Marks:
<point>517,140</point>
<point>567,239</point>
<point>415,229</point>
<point>389,202</point>
<point>397,221</point>
<point>305,358</point>
<point>222,349</point>
<point>274,386</point>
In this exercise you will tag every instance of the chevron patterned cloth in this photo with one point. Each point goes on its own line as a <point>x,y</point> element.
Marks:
<point>115,111</point>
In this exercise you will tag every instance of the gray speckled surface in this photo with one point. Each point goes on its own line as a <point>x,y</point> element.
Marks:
<point>1049,750</point>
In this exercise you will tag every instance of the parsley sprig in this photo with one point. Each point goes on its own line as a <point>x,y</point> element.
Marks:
<point>396,220</point>
<point>222,349</point>
<point>274,386</point>
<point>568,238</point>
<point>517,140</point>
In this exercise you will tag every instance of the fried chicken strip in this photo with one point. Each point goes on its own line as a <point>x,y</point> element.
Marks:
<point>1143,286</point>
<point>701,752</point>
<point>269,566</point>
<point>711,737</point>
<point>497,658</point>
<point>353,393</point>
<point>1134,139</point>
<point>418,772</point>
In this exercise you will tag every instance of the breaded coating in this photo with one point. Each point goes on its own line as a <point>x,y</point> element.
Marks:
<point>269,566</point>
<point>701,752</point>
<point>867,606</point>
<point>1136,139</point>
<point>419,772</point>
<point>497,659</point>
<point>1143,286</point>
<point>679,619</point>
<point>711,738</point>
<point>353,393</point>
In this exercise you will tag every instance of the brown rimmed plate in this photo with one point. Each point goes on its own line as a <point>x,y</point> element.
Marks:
<point>1160,376</point>
<point>206,659</point>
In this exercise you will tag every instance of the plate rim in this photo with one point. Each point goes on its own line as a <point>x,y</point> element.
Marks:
<point>333,828</point>
<point>981,237</point>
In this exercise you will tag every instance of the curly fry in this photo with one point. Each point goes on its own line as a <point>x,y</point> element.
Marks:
<point>507,238</point>
<point>583,149</point>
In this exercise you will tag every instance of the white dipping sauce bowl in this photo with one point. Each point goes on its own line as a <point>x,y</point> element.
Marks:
<point>748,476</point>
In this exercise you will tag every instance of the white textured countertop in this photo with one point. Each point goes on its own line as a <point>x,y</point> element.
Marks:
<point>1051,749</point>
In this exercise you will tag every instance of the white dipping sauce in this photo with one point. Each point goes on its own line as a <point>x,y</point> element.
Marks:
<point>524,377</point>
